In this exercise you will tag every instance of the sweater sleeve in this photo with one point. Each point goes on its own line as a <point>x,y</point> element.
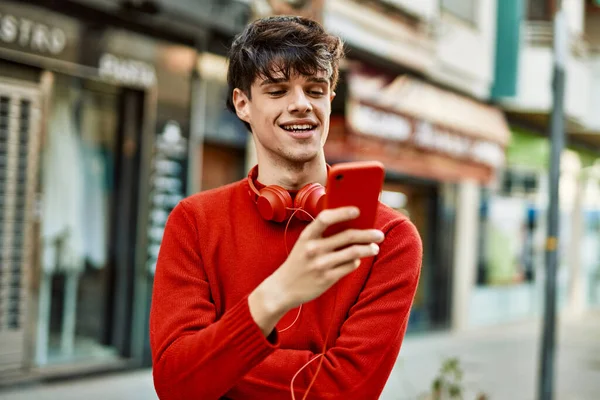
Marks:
<point>196,356</point>
<point>359,364</point>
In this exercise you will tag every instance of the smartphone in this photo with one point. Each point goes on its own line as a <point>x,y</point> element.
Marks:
<point>356,184</point>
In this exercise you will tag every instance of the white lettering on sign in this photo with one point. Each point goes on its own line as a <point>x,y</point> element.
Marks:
<point>432,138</point>
<point>126,71</point>
<point>489,153</point>
<point>370,121</point>
<point>482,151</point>
<point>374,122</point>
<point>32,35</point>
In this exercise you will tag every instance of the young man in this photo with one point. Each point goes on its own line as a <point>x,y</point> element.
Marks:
<point>226,321</point>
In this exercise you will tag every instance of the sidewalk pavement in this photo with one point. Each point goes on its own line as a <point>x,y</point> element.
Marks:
<point>501,362</point>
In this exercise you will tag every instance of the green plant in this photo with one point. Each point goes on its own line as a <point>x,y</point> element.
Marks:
<point>448,384</point>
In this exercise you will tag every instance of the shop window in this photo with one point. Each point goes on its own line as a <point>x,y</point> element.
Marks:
<point>466,10</point>
<point>509,222</point>
<point>516,182</point>
<point>82,176</point>
<point>506,241</point>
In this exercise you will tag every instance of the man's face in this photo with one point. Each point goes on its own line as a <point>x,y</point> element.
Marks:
<point>289,118</point>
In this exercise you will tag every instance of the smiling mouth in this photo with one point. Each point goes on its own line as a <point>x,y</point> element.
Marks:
<point>299,128</point>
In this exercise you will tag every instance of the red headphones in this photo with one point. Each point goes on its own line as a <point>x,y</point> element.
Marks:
<point>275,203</point>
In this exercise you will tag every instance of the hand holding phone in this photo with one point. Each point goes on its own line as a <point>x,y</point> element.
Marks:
<point>319,259</point>
<point>357,184</point>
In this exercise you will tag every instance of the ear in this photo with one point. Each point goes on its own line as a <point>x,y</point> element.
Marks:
<point>331,97</point>
<point>241,104</point>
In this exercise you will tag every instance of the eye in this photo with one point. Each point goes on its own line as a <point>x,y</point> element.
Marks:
<point>316,92</point>
<point>276,92</point>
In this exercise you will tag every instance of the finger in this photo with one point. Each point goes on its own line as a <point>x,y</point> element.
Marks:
<point>350,237</point>
<point>326,218</point>
<point>337,273</point>
<point>332,260</point>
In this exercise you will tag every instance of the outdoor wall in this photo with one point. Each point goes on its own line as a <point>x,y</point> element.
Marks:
<point>534,83</point>
<point>425,9</point>
<point>575,11</point>
<point>466,51</point>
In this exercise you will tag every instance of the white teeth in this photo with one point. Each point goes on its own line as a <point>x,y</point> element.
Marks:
<point>298,127</point>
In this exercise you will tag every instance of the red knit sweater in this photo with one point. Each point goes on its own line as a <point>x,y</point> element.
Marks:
<point>205,345</point>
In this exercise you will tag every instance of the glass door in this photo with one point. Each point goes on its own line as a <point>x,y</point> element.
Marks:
<point>90,162</point>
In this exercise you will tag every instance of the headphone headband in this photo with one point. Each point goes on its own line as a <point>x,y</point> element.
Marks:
<point>252,175</point>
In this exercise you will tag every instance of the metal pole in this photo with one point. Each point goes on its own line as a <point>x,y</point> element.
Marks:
<point>557,135</point>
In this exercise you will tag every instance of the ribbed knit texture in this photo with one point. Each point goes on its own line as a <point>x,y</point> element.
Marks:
<point>205,345</point>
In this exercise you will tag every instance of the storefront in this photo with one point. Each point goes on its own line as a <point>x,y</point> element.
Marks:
<point>431,141</point>
<point>580,209</point>
<point>513,227</point>
<point>590,237</point>
<point>94,126</point>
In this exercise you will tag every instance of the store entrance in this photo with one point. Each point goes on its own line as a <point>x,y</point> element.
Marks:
<point>90,165</point>
<point>420,203</point>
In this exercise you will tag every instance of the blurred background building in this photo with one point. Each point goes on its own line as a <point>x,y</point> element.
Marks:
<point>112,111</point>
<point>97,99</point>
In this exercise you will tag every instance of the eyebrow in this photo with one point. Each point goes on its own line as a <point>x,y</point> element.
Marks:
<point>318,80</point>
<point>273,81</point>
<point>283,80</point>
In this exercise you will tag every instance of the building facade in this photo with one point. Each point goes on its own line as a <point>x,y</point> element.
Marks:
<point>512,289</point>
<point>419,81</point>
<point>96,113</point>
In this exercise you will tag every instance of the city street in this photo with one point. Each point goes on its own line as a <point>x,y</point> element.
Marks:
<point>132,134</point>
<point>500,362</point>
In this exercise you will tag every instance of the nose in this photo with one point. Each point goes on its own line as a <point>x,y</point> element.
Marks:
<point>300,103</point>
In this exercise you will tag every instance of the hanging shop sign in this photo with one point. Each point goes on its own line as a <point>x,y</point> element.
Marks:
<point>167,185</point>
<point>33,31</point>
<point>36,36</point>
<point>32,35</point>
<point>126,71</point>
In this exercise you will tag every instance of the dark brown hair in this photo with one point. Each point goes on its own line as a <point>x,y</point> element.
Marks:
<point>281,44</point>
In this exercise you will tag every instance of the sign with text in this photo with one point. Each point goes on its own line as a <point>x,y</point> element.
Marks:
<point>126,71</point>
<point>31,35</point>
<point>35,31</point>
<point>375,121</point>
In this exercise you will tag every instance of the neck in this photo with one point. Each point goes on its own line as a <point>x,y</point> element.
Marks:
<point>292,176</point>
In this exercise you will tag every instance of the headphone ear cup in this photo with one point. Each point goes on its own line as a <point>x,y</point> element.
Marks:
<point>274,203</point>
<point>310,199</point>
